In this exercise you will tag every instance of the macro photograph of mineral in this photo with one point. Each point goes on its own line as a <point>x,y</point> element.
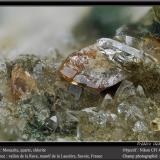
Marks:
<point>75,74</point>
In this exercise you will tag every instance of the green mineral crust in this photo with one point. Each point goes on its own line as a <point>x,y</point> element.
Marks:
<point>111,94</point>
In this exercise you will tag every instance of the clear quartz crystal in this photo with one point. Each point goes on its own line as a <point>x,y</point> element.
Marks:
<point>106,43</point>
<point>139,127</point>
<point>130,111</point>
<point>123,52</point>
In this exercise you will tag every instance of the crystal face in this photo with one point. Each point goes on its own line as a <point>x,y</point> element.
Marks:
<point>90,68</point>
<point>21,82</point>
<point>99,66</point>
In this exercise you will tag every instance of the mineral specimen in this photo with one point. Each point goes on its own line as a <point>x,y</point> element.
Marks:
<point>156,124</point>
<point>122,53</point>
<point>35,108</point>
<point>90,68</point>
<point>103,64</point>
<point>140,127</point>
<point>67,123</point>
<point>75,90</point>
<point>107,102</point>
<point>52,123</point>
<point>21,82</point>
<point>108,91</point>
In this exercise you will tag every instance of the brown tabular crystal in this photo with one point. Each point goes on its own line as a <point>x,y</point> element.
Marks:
<point>21,82</point>
<point>90,68</point>
<point>76,62</point>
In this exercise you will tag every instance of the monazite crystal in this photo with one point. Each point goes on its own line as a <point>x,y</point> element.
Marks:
<point>102,65</point>
<point>91,69</point>
<point>21,82</point>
